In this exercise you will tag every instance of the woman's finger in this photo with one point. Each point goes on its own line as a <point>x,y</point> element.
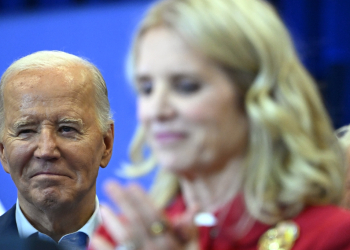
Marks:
<point>131,212</point>
<point>100,243</point>
<point>150,215</point>
<point>114,225</point>
<point>136,206</point>
<point>144,223</point>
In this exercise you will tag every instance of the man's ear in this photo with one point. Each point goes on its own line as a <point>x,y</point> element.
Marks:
<point>3,159</point>
<point>108,142</point>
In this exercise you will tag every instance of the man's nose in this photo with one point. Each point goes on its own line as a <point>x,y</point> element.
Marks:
<point>47,145</point>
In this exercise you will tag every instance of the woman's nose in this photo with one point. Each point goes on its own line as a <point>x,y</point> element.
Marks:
<point>161,105</point>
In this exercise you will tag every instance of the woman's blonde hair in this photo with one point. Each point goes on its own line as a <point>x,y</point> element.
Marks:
<point>293,159</point>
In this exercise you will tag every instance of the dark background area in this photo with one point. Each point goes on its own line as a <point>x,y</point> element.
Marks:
<point>101,30</point>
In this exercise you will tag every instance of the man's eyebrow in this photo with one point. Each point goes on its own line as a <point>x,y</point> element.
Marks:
<point>22,123</point>
<point>72,120</point>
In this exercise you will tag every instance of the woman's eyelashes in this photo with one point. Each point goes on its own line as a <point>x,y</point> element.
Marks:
<point>179,84</point>
<point>144,86</point>
<point>186,86</point>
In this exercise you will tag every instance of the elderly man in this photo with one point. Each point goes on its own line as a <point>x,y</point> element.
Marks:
<point>56,132</point>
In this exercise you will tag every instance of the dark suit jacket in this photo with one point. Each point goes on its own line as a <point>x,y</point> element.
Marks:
<point>9,237</point>
<point>8,226</point>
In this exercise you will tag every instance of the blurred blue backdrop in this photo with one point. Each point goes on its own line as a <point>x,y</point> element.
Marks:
<point>102,30</point>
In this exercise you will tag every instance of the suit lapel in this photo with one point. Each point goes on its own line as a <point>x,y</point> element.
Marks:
<point>8,226</point>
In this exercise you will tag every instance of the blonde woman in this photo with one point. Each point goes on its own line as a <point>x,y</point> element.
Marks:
<point>246,154</point>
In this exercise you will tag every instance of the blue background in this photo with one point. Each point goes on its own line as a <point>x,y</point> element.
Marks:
<point>102,30</point>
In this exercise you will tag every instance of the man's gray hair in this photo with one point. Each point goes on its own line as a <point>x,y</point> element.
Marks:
<point>53,59</point>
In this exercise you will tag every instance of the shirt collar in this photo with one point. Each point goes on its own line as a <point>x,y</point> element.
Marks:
<point>25,229</point>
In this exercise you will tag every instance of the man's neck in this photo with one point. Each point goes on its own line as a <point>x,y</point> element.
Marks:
<point>57,221</point>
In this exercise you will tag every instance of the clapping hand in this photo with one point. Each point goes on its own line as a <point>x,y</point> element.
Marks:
<point>142,226</point>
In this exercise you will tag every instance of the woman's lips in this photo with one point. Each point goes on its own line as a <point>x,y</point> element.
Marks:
<point>169,138</point>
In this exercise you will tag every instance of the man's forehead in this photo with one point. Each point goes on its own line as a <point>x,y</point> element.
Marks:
<point>22,80</point>
<point>54,89</point>
<point>75,76</point>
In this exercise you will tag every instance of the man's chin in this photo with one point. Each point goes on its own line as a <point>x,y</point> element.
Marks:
<point>49,198</point>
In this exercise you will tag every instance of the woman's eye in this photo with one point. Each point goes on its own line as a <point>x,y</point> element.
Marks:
<point>187,86</point>
<point>145,87</point>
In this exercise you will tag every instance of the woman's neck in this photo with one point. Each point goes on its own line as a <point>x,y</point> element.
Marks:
<point>210,191</point>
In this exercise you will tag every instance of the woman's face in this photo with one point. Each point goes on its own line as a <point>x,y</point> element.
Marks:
<point>190,109</point>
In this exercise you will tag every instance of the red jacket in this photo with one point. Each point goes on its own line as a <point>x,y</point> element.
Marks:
<point>321,228</point>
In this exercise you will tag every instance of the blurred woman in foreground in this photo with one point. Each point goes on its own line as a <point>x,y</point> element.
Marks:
<point>246,152</point>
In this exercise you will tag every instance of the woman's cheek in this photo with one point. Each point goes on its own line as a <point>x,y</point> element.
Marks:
<point>142,112</point>
<point>198,113</point>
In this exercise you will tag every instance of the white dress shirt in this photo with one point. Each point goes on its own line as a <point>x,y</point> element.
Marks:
<point>25,229</point>
<point>2,209</point>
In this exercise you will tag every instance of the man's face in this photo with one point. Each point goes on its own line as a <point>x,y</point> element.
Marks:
<point>52,145</point>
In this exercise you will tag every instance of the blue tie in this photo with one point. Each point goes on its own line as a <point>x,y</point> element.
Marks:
<point>74,241</point>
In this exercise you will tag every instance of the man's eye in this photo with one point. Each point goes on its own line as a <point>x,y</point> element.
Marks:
<point>187,86</point>
<point>25,131</point>
<point>66,129</point>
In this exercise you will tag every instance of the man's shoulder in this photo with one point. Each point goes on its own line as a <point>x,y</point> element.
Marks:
<point>8,222</point>
<point>9,237</point>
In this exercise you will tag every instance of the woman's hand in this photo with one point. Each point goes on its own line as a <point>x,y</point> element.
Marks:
<point>142,226</point>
